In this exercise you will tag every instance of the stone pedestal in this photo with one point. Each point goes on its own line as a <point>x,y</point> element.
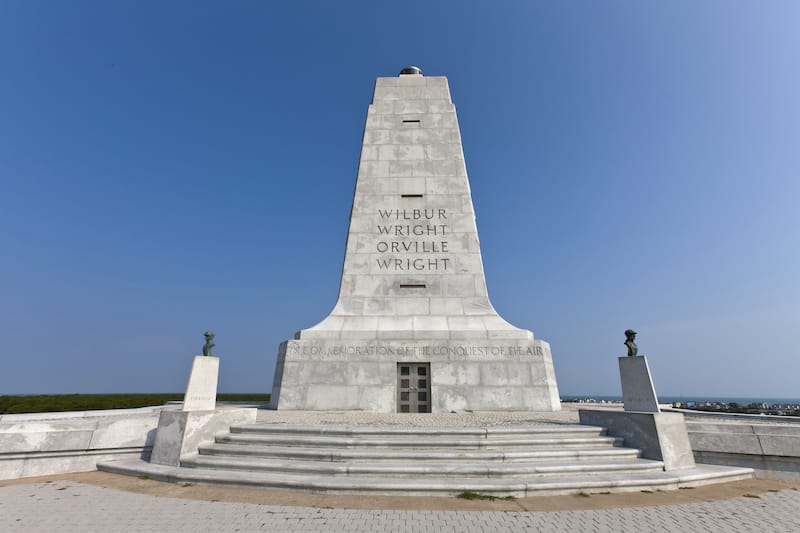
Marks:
<point>201,392</point>
<point>413,292</point>
<point>181,433</point>
<point>638,392</point>
<point>660,436</point>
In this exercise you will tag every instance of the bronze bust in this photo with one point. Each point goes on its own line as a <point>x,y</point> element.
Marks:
<point>630,336</point>
<point>209,335</point>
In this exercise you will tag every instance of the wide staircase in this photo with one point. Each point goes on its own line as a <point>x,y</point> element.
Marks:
<point>497,460</point>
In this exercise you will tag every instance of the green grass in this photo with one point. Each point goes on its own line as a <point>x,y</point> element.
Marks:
<point>469,495</point>
<point>45,403</point>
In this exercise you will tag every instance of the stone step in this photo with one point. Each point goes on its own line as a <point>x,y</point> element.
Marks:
<point>432,442</point>
<point>435,486</point>
<point>549,430</point>
<point>407,469</point>
<point>366,454</point>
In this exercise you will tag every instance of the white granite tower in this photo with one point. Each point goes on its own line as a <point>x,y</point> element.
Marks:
<point>413,329</point>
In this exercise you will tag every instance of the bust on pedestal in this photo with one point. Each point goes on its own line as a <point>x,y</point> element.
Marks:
<point>660,436</point>
<point>638,391</point>
<point>181,433</point>
<point>201,392</point>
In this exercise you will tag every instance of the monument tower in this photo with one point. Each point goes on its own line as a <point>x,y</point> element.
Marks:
<point>413,329</point>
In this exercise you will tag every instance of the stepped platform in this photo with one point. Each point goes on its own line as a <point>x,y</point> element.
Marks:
<point>513,455</point>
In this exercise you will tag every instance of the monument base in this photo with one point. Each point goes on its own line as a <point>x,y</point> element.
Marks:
<point>660,436</point>
<point>436,376</point>
<point>638,392</point>
<point>201,392</point>
<point>181,433</point>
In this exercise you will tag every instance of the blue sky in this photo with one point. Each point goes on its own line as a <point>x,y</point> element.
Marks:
<point>170,167</point>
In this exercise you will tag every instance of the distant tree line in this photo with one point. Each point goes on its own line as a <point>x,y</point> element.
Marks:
<point>44,403</point>
<point>743,409</point>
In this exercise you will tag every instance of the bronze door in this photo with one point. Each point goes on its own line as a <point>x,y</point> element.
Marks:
<point>413,388</point>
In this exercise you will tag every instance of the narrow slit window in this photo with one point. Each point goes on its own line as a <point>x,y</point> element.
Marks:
<point>410,196</point>
<point>412,285</point>
<point>411,121</point>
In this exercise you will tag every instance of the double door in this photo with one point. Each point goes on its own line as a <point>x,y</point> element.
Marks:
<point>413,388</point>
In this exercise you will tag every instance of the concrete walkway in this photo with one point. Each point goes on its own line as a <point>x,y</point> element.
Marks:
<point>106,503</point>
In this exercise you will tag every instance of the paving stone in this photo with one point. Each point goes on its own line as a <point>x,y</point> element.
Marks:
<point>67,506</point>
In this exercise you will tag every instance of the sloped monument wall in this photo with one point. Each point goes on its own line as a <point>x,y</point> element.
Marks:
<point>413,287</point>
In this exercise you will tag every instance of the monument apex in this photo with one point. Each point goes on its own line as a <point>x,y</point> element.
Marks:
<point>413,329</point>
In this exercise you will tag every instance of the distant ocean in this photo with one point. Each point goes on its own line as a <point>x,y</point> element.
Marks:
<point>689,398</point>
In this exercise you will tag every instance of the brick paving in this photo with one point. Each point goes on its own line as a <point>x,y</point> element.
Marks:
<point>67,506</point>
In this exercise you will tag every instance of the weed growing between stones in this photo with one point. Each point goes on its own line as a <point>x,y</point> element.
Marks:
<point>469,495</point>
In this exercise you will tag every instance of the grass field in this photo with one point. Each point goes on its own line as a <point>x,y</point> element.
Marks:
<point>84,402</point>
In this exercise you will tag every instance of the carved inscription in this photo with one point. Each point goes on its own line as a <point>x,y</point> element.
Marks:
<point>448,351</point>
<point>412,231</point>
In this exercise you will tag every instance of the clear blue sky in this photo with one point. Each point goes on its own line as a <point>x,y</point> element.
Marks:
<point>170,167</point>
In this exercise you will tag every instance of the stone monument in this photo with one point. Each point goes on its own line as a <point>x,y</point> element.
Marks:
<point>660,436</point>
<point>201,391</point>
<point>638,391</point>
<point>180,433</point>
<point>413,329</point>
